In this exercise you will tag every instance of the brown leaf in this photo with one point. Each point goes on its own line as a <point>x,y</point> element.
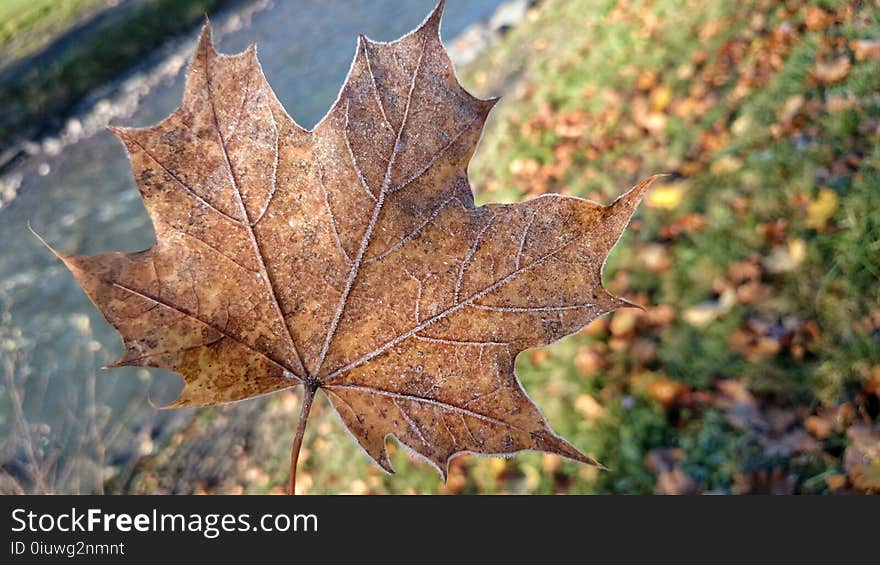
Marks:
<point>866,49</point>
<point>351,258</point>
<point>816,18</point>
<point>589,407</point>
<point>775,482</point>
<point>834,70</point>
<point>775,232</point>
<point>591,359</point>
<point>739,403</point>
<point>786,258</point>
<point>623,323</point>
<point>660,315</point>
<point>862,457</point>
<point>687,223</point>
<point>707,312</point>
<point>791,443</point>
<point>744,271</point>
<point>675,482</point>
<point>665,391</point>
<point>818,427</point>
<point>671,479</point>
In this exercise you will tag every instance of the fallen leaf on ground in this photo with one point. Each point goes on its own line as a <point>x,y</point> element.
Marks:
<point>792,443</point>
<point>665,390</point>
<point>786,258</point>
<point>623,322</point>
<point>688,223</point>
<point>866,49</point>
<point>707,312</point>
<point>835,70</point>
<point>822,209</point>
<point>666,196</point>
<point>818,427</point>
<point>816,18</point>
<point>590,359</point>
<point>739,404</point>
<point>725,165</point>
<point>655,257</point>
<point>862,457</point>
<point>671,478</point>
<point>589,407</point>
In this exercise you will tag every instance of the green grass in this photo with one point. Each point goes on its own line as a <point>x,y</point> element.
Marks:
<point>27,25</point>
<point>50,90</point>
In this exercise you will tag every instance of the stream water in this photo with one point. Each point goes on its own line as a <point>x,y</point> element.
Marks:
<point>59,414</point>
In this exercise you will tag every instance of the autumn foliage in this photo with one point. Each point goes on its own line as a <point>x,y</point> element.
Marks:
<point>351,259</point>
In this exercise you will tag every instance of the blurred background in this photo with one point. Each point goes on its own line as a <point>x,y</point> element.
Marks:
<point>755,367</point>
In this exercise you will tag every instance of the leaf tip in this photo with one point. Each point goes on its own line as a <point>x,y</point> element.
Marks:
<point>156,406</point>
<point>121,362</point>
<point>206,40</point>
<point>182,401</point>
<point>364,45</point>
<point>432,22</point>
<point>489,103</point>
<point>616,216</point>
<point>119,131</point>
<point>552,443</point>
<point>624,303</point>
<point>384,462</point>
<point>631,198</point>
<point>54,251</point>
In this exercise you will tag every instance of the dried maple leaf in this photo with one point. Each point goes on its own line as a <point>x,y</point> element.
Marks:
<point>351,258</point>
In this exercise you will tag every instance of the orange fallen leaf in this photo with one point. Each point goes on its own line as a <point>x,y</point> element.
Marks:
<point>835,70</point>
<point>816,18</point>
<point>866,49</point>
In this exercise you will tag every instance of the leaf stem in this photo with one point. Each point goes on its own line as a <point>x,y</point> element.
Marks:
<point>308,396</point>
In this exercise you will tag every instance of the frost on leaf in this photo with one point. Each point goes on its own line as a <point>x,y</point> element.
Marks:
<point>351,259</point>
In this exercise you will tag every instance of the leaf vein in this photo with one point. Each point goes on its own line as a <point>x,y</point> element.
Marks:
<point>182,184</point>
<point>246,219</point>
<point>530,308</point>
<point>365,241</point>
<point>221,331</point>
<point>451,310</point>
<point>436,403</point>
